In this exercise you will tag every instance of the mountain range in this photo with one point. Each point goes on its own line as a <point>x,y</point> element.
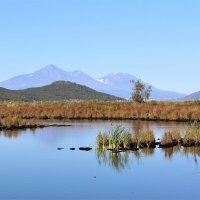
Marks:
<point>56,91</point>
<point>117,84</point>
<point>193,96</point>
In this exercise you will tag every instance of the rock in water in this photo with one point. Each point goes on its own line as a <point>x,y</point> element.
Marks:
<point>60,148</point>
<point>85,148</point>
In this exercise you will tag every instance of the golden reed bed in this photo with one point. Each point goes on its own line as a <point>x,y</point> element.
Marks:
<point>166,111</point>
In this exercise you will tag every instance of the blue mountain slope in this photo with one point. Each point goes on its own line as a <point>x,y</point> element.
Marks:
<point>115,84</point>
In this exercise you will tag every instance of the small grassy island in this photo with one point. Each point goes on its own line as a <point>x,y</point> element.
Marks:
<point>120,140</point>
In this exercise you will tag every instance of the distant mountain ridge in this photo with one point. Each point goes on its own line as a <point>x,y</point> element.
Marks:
<point>114,84</point>
<point>193,96</point>
<point>56,91</point>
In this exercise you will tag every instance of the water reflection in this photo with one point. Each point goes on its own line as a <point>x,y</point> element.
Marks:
<point>137,126</point>
<point>148,152</point>
<point>15,133</point>
<point>120,161</point>
<point>193,152</point>
<point>171,151</point>
<point>117,161</point>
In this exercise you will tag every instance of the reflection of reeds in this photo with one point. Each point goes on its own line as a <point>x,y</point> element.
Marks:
<point>192,151</point>
<point>169,152</point>
<point>118,161</point>
<point>11,134</point>
<point>101,156</point>
<point>14,133</point>
<point>148,151</point>
<point>137,155</point>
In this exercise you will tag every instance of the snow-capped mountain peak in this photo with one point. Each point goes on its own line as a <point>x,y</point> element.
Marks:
<point>117,84</point>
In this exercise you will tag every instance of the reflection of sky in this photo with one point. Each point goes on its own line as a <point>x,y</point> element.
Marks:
<point>32,168</point>
<point>84,133</point>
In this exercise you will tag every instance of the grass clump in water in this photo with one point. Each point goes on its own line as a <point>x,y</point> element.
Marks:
<point>102,140</point>
<point>116,138</point>
<point>11,123</point>
<point>170,138</point>
<point>145,139</point>
<point>191,137</point>
<point>120,139</point>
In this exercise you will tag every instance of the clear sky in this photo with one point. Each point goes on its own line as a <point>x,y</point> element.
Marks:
<point>155,40</point>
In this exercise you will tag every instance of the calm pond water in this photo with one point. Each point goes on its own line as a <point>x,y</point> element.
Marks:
<point>31,167</point>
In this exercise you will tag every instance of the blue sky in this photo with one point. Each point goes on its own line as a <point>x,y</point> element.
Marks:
<point>155,40</point>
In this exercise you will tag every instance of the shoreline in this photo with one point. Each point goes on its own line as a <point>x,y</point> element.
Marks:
<point>20,115</point>
<point>32,126</point>
<point>23,127</point>
<point>116,119</point>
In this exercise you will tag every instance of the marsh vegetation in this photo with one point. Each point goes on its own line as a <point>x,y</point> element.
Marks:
<point>119,139</point>
<point>155,111</point>
<point>14,123</point>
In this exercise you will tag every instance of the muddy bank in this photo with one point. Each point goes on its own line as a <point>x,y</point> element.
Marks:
<point>29,126</point>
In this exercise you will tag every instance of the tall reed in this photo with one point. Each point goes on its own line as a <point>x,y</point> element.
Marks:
<point>192,137</point>
<point>15,123</point>
<point>119,137</point>
<point>174,111</point>
<point>170,138</point>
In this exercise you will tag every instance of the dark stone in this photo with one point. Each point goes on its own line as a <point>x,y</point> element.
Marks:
<point>169,144</point>
<point>85,148</point>
<point>181,141</point>
<point>157,143</point>
<point>134,149</point>
<point>132,145</point>
<point>60,148</point>
<point>148,145</point>
<point>72,149</point>
<point>190,143</point>
<point>121,149</point>
<point>59,125</point>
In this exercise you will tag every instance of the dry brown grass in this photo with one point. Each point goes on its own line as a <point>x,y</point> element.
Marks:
<point>170,138</point>
<point>144,138</point>
<point>192,137</point>
<point>14,113</point>
<point>169,111</point>
<point>11,123</point>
